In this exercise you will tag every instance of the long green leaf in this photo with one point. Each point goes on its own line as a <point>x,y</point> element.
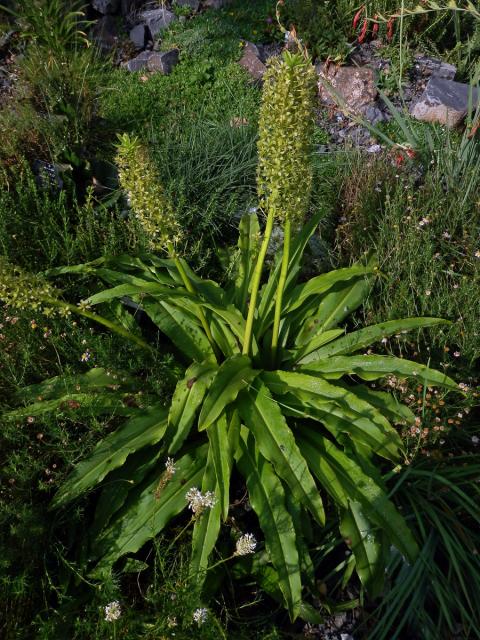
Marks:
<point>154,289</point>
<point>95,379</point>
<point>78,404</point>
<point>374,367</point>
<point>345,481</point>
<point>206,529</point>
<point>268,501</point>
<point>186,401</point>
<point>146,512</point>
<point>276,442</point>
<point>221,456</point>
<point>248,241</point>
<point>365,337</point>
<point>111,452</point>
<point>365,540</point>
<point>367,423</point>
<point>232,376</point>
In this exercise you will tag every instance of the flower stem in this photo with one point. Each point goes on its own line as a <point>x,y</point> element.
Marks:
<point>280,289</point>
<point>257,276</point>
<point>190,288</point>
<point>115,328</point>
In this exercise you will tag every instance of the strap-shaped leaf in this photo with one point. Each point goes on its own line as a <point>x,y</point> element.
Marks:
<point>248,241</point>
<point>367,423</point>
<point>365,541</point>
<point>111,452</point>
<point>322,283</point>
<point>223,337</point>
<point>206,529</point>
<point>262,415</point>
<point>315,343</point>
<point>267,498</point>
<point>186,401</point>
<point>385,402</point>
<point>374,367</point>
<point>221,457</point>
<point>93,380</point>
<point>337,303</point>
<point>232,376</point>
<point>183,330</point>
<point>345,481</point>
<point>147,511</point>
<point>365,337</point>
<point>154,289</point>
<point>78,403</point>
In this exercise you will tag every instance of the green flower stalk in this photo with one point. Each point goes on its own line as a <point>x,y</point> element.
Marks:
<point>284,178</point>
<point>28,292</point>
<point>152,208</point>
<point>145,193</point>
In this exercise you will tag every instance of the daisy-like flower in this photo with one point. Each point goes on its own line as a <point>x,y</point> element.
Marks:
<point>198,502</point>
<point>246,544</point>
<point>200,616</point>
<point>113,611</point>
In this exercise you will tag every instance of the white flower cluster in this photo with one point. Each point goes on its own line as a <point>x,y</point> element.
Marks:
<point>170,467</point>
<point>197,501</point>
<point>113,611</point>
<point>200,616</point>
<point>246,544</point>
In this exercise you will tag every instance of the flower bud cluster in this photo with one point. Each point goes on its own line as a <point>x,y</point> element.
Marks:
<point>285,134</point>
<point>146,196</point>
<point>21,290</point>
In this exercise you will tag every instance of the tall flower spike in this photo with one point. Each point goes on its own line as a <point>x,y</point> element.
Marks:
<point>286,123</point>
<point>22,290</point>
<point>146,196</point>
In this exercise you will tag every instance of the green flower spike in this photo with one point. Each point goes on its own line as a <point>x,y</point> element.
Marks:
<point>285,136</point>
<point>24,291</point>
<point>140,181</point>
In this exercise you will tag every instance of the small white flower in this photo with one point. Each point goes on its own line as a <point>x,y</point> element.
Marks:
<point>197,502</point>
<point>170,467</point>
<point>384,340</point>
<point>246,544</point>
<point>477,253</point>
<point>456,354</point>
<point>446,235</point>
<point>475,440</point>
<point>113,611</point>
<point>200,616</point>
<point>424,221</point>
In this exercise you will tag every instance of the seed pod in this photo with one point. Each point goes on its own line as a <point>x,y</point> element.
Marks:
<point>363,32</point>
<point>356,18</point>
<point>286,124</point>
<point>390,24</point>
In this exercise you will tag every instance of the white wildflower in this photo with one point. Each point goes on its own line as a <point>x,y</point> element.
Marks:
<point>170,467</point>
<point>113,611</point>
<point>475,440</point>
<point>197,502</point>
<point>245,545</point>
<point>200,616</point>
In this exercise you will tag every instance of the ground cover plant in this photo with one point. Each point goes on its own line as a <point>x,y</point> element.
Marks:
<point>155,347</point>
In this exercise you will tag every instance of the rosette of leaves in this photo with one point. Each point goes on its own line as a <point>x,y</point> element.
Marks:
<point>308,432</point>
<point>275,389</point>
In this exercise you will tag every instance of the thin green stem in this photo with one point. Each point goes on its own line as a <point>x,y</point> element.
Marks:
<point>191,289</point>
<point>280,289</point>
<point>116,328</point>
<point>257,276</point>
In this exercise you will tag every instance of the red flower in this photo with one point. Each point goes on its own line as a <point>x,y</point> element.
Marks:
<point>375,26</point>
<point>390,29</point>
<point>357,17</point>
<point>363,32</point>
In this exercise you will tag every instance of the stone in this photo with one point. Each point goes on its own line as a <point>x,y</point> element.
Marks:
<point>138,36</point>
<point>157,20</point>
<point>163,61</point>
<point>105,33</point>
<point>374,115</point>
<point>445,102</point>
<point>106,6</point>
<point>194,5</point>
<point>435,67</point>
<point>355,85</point>
<point>138,63</point>
<point>252,63</point>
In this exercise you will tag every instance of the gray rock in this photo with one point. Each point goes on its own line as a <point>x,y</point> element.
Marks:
<point>354,85</point>
<point>435,67</point>
<point>252,63</point>
<point>138,63</point>
<point>445,102</point>
<point>163,62</point>
<point>194,5</point>
<point>157,20</point>
<point>106,6</point>
<point>373,114</point>
<point>138,36</point>
<point>215,4</point>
